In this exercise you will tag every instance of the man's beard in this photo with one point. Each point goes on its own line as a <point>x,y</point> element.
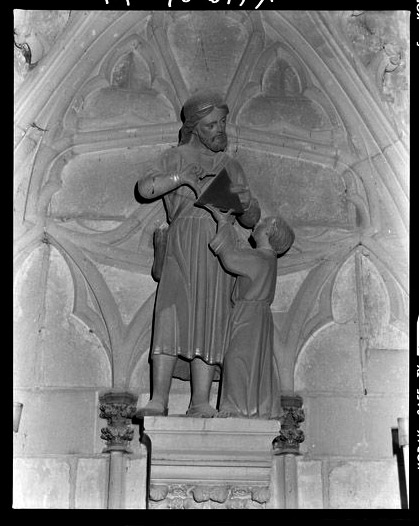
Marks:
<point>215,144</point>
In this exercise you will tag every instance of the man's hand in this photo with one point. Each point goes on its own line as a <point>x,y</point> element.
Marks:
<point>243,194</point>
<point>190,176</point>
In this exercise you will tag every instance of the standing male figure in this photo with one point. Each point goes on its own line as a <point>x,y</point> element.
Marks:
<point>193,301</point>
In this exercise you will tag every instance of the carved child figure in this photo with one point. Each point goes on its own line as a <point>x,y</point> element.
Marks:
<point>250,381</point>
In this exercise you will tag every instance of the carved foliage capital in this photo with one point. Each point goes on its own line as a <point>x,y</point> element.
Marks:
<point>118,409</point>
<point>290,436</point>
<point>115,411</point>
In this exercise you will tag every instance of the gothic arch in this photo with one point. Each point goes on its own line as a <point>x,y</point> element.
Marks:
<point>359,149</point>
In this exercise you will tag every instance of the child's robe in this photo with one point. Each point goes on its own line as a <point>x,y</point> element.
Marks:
<point>250,385</point>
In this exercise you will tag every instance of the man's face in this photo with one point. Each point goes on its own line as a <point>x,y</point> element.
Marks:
<point>211,130</point>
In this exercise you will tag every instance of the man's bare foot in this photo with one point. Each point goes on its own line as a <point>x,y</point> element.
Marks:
<point>202,411</point>
<point>153,408</point>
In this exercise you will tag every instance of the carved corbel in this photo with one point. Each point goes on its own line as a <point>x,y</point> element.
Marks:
<point>290,436</point>
<point>118,409</point>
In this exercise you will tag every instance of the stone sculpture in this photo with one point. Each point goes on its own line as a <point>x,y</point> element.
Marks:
<point>193,297</point>
<point>250,385</point>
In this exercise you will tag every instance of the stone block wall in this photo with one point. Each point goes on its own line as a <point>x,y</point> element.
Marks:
<point>354,382</point>
<point>59,458</point>
<point>73,482</point>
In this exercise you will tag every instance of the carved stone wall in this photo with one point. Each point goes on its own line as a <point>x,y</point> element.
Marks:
<point>183,496</point>
<point>318,118</point>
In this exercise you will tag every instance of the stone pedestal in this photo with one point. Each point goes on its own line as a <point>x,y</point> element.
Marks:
<point>209,463</point>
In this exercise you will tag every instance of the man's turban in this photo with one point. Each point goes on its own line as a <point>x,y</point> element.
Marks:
<point>197,107</point>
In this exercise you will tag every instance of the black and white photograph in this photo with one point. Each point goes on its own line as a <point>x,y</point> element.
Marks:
<point>211,224</point>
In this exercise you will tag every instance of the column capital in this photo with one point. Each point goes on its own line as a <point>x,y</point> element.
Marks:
<point>289,439</point>
<point>117,408</point>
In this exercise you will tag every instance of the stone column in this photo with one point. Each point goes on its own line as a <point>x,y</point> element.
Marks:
<point>286,446</point>
<point>117,408</point>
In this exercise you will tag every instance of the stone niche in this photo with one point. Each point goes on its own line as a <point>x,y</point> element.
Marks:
<point>128,100</point>
<point>282,102</point>
<point>207,47</point>
<point>83,291</point>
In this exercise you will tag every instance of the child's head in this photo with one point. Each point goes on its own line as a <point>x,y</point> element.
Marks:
<point>280,234</point>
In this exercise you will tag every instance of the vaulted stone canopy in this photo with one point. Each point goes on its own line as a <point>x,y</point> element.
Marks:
<point>307,121</point>
<point>318,119</point>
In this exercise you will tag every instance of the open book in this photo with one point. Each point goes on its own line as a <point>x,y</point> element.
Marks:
<point>218,194</point>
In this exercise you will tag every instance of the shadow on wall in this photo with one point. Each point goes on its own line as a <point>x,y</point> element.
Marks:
<point>401,469</point>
